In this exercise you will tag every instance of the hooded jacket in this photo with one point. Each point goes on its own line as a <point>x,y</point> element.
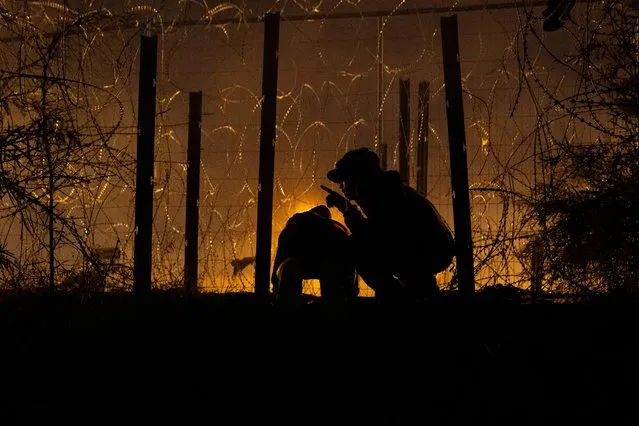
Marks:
<point>311,239</point>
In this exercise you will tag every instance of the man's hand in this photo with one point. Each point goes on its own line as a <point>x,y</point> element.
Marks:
<point>335,199</point>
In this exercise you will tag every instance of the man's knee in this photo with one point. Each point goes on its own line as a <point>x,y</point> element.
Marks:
<point>289,275</point>
<point>338,281</point>
<point>426,287</point>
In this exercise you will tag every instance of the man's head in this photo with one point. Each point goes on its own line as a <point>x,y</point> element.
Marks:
<point>356,166</point>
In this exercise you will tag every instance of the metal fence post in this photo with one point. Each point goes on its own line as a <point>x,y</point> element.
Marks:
<point>192,193</point>
<point>457,146</point>
<point>267,154</point>
<point>145,159</point>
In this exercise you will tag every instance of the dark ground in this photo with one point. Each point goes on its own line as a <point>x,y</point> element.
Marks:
<point>228,359</point>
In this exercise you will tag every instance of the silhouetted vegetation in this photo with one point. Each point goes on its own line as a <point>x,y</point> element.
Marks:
<point>56,147</point>
<point>59,154</point>
<point>585,204</point>
<point>232,359</point>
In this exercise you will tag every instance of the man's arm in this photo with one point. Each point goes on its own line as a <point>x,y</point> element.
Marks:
<point>353,218</point>
<point>335,199</point>
<point>283,249</point>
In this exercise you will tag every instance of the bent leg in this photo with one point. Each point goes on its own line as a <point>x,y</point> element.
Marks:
<point>422,287</point>
<point>338,286</point>
<point>415,273</point>
<point>289,291</point>
<point>375,265</point>
<point>338,281</point>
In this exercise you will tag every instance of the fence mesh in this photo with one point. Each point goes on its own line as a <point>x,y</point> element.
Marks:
<point>77,65</point>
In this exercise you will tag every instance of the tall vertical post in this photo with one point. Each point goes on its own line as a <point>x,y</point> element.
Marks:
<point>192,193</point>
<point>267,154</point>
<point>457,146</point>
<point>404,129</point>
<point>422,137</point>
<point>380,86</point>
<point>145,159</point>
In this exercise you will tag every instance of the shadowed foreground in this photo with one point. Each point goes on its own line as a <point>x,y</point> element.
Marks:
<point>227,359</point>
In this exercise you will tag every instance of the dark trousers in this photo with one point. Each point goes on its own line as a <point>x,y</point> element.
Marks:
<point>338,281</point>
<point>392,267</point>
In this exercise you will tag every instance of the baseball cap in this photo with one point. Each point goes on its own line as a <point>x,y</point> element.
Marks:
<point>357,162</point>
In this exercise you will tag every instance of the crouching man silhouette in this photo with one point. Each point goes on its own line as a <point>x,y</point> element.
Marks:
<point>314,246</point>
<point>399,241</point>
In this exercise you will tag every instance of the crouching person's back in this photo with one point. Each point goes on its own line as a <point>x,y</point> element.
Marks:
<point>314,246</point>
